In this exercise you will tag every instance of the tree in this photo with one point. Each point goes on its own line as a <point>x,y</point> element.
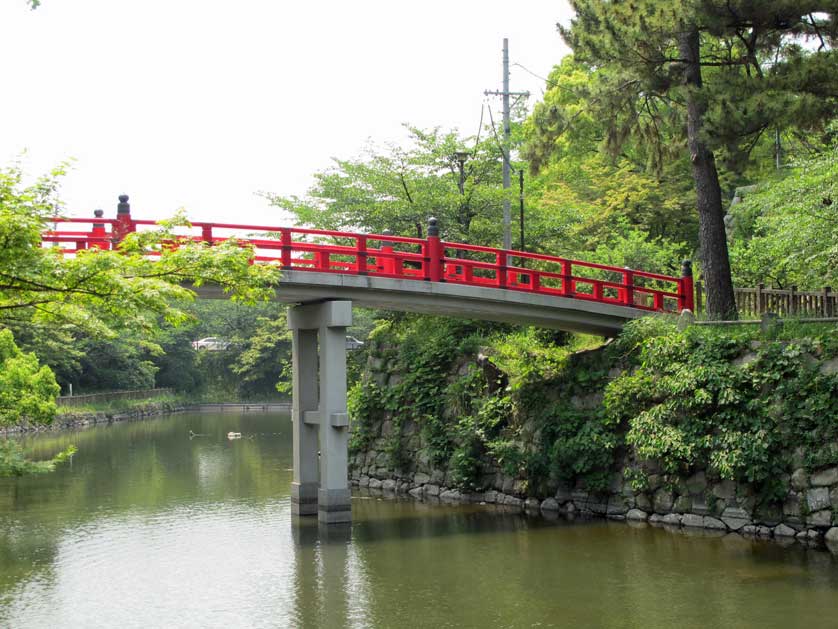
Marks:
<point>785,233</point>
<point>27,389</point>
<point>51,298</point>
<point>398,189</point>
<point>723,71</point>
<point>102,291</point>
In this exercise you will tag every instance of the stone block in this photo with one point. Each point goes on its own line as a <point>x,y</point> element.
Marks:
<point>642,501</point>
<point>490,497</point>
<point>653,482</point>
<point>697,483</point>
<point>735,518</point>
<point>549,504</point>
<point>655,518</point>
<point>684,504</point>
<point>364,481</point>
<point>431,490</point>
<point>825,478</point>
<point>809,535</point>
<point>700,506</point>
<point>713,523</point>
<point>420,478</point>
<point>832,535</point>
<point>799,479</point>
<point>820,518</point>
<point>692,520</point>
<point>450,495</point>
<point>664,501</point>
<point>532,504</point>
<point>416,492</point>
<point>388,485</point>
<point>725,490</point>
<point>673,519</point>
<point>818,498</point>
<point>437,477</point>
<point>783,530</point>
<point>637,515</point>
<point>374,483</point>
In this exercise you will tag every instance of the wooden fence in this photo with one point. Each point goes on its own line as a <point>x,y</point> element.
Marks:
<point>784,302</point>
<point>93,398</point>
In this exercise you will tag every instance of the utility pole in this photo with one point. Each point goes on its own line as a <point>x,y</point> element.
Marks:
<point>507,212</point>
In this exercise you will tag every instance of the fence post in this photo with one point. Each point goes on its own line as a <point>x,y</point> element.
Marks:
<point>687,297</point>
<point>124,225</point>
<point>760,299</point>
<point>827,305</point>
<point>433,254</point>
<point>793,301</point>
<point>206,234</point>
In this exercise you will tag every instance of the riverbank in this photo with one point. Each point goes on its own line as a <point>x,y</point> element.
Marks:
<point>133,410</point>
<point>733,431</point>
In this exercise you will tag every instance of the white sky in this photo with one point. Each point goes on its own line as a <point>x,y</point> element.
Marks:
<point>202,103</point>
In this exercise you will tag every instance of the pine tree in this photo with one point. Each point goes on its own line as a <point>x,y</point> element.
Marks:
<point>734,69</point>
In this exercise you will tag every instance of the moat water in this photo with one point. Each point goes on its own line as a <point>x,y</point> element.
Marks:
<point>149,527</point>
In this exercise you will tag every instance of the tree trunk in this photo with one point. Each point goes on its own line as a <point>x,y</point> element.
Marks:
<point>715,263</point>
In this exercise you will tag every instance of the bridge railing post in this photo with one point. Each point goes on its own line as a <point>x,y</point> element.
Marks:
<point>433,253</point>
<point>628,283</point>
<point>387,262</point>
<point>503,268</point>
<point>567,278</point>
<point>206,234</point>
<point>124,225</point>
<point>361,255</point>
<point>285,240</point>
<point>686,298</point>
<point>98,236</point>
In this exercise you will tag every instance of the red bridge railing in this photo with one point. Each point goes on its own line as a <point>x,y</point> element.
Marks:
<point>384,255</point>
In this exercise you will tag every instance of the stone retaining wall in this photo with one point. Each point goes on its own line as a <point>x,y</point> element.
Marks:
<point>808,513</point>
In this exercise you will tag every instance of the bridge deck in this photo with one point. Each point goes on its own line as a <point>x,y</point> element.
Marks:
<point>457,300</point>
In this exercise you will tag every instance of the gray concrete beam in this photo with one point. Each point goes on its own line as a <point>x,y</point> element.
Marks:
<point>456,300</point>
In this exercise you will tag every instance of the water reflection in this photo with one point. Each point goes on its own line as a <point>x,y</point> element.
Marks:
<point>151,529</point>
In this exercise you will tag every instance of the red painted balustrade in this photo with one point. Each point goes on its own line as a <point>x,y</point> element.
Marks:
<point>397,257</point>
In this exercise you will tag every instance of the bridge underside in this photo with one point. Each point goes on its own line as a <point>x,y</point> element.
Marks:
<point>455,300</point>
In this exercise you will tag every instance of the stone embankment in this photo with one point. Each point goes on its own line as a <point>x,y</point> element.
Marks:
<point>806,509</point>
<point>808,513</point>
<point>73,420</point>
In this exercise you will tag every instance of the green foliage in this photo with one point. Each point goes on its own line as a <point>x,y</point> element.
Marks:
<point>785,232</point>
<point>689,404</point>
<point>102,293</point>
<point>27,389</point>
<point>14,462</point>
<point>399,188</point>
<point>27,392</point>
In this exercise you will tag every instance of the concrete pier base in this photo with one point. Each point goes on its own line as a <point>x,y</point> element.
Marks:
<point>318,410</point>
<point>304,498</point>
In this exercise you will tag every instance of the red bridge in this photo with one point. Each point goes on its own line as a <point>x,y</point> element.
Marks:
<point>423,275</point>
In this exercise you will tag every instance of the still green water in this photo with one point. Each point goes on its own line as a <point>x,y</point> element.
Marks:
<point>151,528</point>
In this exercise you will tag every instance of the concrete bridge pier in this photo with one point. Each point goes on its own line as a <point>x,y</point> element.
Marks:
<point>318,411</point>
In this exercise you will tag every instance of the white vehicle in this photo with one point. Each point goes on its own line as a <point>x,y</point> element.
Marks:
<point>353,343</point>
<point>211,343</point>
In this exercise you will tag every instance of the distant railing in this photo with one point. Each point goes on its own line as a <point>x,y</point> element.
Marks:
<point>820,304</point>
<point>424,259</point>
<point>93,398</point>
